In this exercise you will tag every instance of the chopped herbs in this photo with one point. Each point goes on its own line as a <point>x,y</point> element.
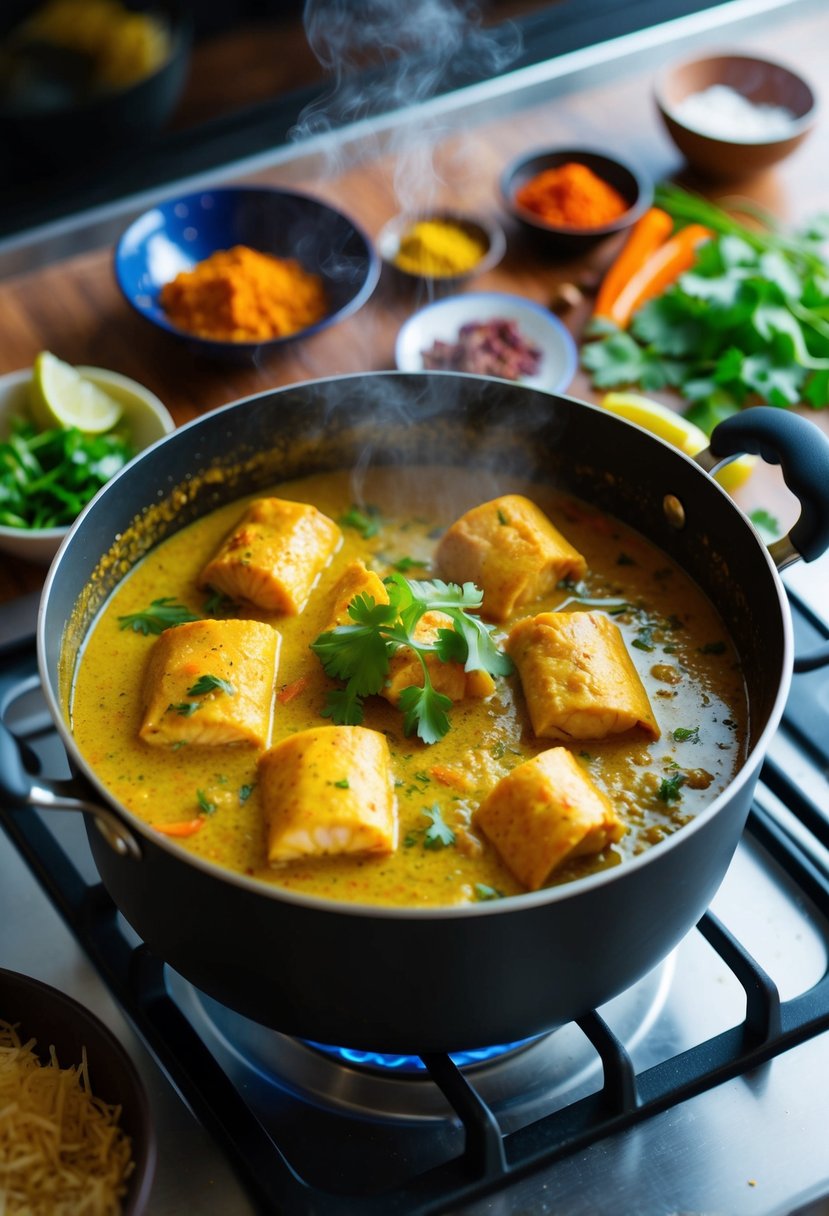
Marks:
<point>206,684</point>
<point>766,524</point>
<point>484,892</point>
<point>644,639</point>
<point>161,615</point>
<point>360,653</point>
<point>670,786</point>
<point>686,734</point>
<point>502,519</point>
<point>404,564</point>
<point>438,835</point>
<point>47,477</point>
<point>245,792</point>
<point>217,602</point>
<point>205,805</point>
<point>366,520</point>
<point>186,709</point>
<point>342,784</point>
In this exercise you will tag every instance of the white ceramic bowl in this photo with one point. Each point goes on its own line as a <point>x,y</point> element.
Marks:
<point>443,319</point>
<point>145,416</point>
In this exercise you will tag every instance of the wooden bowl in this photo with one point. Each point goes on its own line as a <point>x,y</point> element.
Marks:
<point>762,82</point>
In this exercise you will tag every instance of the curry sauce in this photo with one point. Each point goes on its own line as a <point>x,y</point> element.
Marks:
<point>674,636</point>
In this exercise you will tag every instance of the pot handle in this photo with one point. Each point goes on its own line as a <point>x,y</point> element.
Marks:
<point>22,788</point>
<point>802,451</point>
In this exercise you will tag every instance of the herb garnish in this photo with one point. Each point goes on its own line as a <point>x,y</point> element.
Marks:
<point>205,805</point>
<point>438,835</point>
<point>360,653</point>
<point>687,734</point>
<point>207,683</point>
<point>245,792</point>
<point>644,638</point>
<point>485,892</point>
<point>161,615</point>
<point>366,521</point>
<point>669,789</point>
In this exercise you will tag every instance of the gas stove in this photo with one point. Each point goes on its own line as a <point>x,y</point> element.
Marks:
<point>700,1089</point>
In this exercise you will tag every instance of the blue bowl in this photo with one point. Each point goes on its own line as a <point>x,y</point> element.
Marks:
<point>176,234</point>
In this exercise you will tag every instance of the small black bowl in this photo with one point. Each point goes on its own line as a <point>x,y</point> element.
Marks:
<point>55,1019</point>
<point>631,183</point>
<point>72,133</point>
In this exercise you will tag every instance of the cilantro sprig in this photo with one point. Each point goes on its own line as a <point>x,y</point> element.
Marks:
<point>360,653</point>
<point>160,615</point>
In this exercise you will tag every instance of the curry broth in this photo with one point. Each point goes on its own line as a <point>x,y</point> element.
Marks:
<point>674,635</point>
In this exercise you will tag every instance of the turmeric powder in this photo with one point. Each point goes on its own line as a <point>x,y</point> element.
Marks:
<point>439,249</point>
<point>573,196</point>
<point>241,295</point>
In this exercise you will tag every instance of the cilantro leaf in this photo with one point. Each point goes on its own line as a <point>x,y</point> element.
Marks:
<point>438,835</point>
<point>208,683</point>
<point>161,614</point>
<point>670,786</point>
<point>424,712</point>
<point>366,521</point>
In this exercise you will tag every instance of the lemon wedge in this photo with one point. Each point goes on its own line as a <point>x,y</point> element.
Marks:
<point>61,397</point>
<point>673,428</point>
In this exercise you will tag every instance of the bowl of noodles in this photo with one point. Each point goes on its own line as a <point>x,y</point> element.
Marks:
<point>72,1108</point>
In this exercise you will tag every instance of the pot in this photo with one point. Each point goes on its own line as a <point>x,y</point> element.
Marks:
<point>437,979</point>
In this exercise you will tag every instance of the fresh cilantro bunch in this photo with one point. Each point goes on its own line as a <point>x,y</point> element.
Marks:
<point>749,323</point>
<point>360,653</point>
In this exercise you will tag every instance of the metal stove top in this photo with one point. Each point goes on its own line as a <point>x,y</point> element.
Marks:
<point>700,1090</point>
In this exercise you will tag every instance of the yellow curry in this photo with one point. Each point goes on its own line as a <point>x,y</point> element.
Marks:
<point>444,816</point>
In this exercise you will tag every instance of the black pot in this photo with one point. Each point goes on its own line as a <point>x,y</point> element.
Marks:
<point>444,979</point>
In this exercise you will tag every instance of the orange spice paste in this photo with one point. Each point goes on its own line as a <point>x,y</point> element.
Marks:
<point>573,196</point>
<point>241,295</point>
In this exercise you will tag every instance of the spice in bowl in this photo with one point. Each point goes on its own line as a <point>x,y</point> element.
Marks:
<point>572,196</point>
<point>723,113</point>
<point>439,248</point>
<point>241,295</point>
<point>486,348</point>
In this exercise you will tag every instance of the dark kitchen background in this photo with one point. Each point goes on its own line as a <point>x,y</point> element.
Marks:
<point>242,77</point>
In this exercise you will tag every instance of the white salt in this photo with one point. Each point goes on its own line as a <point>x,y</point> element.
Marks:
<point>723,113</point>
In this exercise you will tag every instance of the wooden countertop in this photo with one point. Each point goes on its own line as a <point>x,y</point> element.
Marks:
<point>75,309</point>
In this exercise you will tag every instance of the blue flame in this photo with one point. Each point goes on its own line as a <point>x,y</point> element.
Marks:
<point>405,1063</point>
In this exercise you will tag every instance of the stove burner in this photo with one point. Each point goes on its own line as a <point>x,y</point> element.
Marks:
<point>413,1065</point>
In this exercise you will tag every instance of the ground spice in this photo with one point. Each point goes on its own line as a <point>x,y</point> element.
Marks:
<point>241,295</point>
<point>572,195</point>
<point>439,249</point>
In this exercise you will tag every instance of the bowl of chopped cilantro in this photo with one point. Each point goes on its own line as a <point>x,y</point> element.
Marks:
<point>64,432</point>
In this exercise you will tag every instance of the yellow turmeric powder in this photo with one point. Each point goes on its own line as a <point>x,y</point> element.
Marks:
<point>241,295</point>
<point>573,196</point>
<point>439,249</point>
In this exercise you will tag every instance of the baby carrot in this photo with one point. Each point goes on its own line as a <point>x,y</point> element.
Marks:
<point>186,827</point>
<point>660,270</point>
<point>292,690</point>
<point>649,232</point>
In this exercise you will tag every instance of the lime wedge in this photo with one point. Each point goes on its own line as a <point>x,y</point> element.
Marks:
<point>60,396</point>
<point>673,428</point>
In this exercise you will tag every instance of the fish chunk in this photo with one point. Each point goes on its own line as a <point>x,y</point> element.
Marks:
<point>210,683</point>
<point>544,812</point>
<point>578,679</point>
<point>355,580</point>
<point>406,670</point>
<point>511,551</point>
<point>274,555</point>
<point>328,790</point>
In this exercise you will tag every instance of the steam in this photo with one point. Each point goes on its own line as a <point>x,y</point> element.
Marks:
<point>382,56</point>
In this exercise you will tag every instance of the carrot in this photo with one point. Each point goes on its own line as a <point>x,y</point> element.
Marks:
<point>185,827</point>
<point>450,776</point>
<point>662,268</point>
<point>649,232</point>
<point>292,690</point>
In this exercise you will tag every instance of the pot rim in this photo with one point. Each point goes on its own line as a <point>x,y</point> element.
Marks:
<point>525,901</point>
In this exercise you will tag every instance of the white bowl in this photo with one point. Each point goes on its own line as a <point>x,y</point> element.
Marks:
<point>144,414</point>
<point>443,319</point>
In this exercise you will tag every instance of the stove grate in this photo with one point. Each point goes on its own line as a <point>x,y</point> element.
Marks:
<point>490,1160</point>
